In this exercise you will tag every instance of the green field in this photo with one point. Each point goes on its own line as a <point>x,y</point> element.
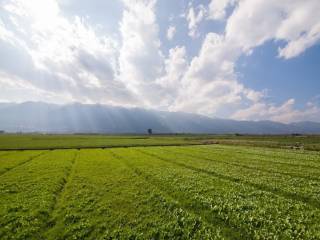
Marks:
<point>55,141</point>
<point>47,141</point>
<point>163,192</point>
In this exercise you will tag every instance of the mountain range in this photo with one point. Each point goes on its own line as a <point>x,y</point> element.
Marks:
<point>96,118</point>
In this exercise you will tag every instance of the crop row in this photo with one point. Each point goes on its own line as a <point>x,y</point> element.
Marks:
<point>256,213</point>
<point>291,187</point>
<point>298,157</point>
<point>197,192</point>
<point>13,159</point>
<point>105,199</point>
<point>28,193</point>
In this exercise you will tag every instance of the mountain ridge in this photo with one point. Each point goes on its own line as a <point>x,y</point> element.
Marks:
<point>97,118</point>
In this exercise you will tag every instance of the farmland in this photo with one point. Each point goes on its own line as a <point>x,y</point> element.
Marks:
<point>67,141</point>
<point>184,191</point>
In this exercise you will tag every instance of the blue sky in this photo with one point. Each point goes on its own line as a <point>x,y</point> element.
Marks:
<point>239,59</point>
<point>297,77</point>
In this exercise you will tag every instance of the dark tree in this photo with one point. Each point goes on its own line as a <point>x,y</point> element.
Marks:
<point>149,131</point>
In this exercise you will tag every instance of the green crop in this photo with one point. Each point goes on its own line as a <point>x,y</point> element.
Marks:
<point>67,141</point>
<point>164,192</point>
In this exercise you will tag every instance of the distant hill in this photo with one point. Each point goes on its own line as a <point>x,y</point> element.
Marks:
<point>82,118</point>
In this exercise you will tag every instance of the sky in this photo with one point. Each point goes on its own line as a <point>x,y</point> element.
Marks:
<point>238,59</point>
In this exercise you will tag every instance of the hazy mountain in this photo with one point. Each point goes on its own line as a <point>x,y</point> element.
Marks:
<point>76,118</point>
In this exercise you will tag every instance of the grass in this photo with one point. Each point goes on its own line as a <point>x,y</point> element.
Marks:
<point>56,141</point>
<point>28,193</point>
<point>39,141</point>
<point>163,192</point>
<point>308,142</point>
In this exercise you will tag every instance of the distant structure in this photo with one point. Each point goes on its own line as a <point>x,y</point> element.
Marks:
<point>150,131</point>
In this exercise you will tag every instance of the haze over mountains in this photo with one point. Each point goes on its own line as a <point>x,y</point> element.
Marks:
<point>81,118</point>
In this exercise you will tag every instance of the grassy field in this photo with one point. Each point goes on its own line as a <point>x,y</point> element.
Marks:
<point>47,141</point>
<point>54,141</point>
<point>308,142</point>
<point>165,192</point>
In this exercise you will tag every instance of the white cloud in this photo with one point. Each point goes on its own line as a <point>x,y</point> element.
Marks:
<point>299,45</point>
<point>210,82</point>
<point>211,79</point>
<point>217,8</point>
<point>141,61</point>
<point>171,32</point>
<point>295,22</point>
<point>254,96</point>
<point>5,35</point>
<point>194,17</point>
<point>42,12</point>
<point>66,53</point>
<point>175,67</point>
<point>285,113</point>
<point>11,85</point>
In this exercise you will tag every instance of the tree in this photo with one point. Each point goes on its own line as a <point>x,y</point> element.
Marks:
<point>149,131</point>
